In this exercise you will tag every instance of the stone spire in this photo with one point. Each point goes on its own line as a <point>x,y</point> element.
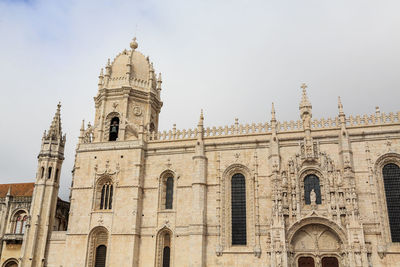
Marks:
<point>200,126</point>
<point>55,132</point>
<point>305,104</point>
<point>273,118</point>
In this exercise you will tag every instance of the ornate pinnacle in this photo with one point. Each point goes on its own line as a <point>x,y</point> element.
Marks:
<point>55,132</point>
<point>273,118</point>
<point>201,120</point>
<point>304,100</point>
<point>159,81</point>
<point>340,106</point>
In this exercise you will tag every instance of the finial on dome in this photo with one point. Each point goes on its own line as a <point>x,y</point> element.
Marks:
<point>134,44</point>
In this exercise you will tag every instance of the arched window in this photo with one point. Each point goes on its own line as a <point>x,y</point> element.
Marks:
<point>169,193</point>
<point>114,128</point>
<point>49,173</point>
<point>106,196</point>
<point>97,247</point>
<point>312,187</point>
<point>20,220</point>
<point>101,252</point>
<point>11,263</point>
<point>166,251</point>
<point>56,177</point>
<point>238,204</point>
<point>42,172</point>
<point>163,258</point>
<point>391,179</point>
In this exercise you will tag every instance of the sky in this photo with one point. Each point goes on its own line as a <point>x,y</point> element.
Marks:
<point>231,58</point>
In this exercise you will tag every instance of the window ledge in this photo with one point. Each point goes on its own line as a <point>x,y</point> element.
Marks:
<point>102,211</point>
<point>167,211</point>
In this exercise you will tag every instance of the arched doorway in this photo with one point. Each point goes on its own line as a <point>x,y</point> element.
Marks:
<point>330,262</point>
<point>306,262</point>
<point>316,245</point>
<point>11,263</point>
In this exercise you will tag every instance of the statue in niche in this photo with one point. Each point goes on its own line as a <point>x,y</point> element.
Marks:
<point>330,165</point>
<point>291,166</point>
<point>294,204</point>
<point>339,178</point>
<point>313,196</point>
<point>284,179</point>
<point>278,259</point>
<point>358,259</point>
<point>285,200</point>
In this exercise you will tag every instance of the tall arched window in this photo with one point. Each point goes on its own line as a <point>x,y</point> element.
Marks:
<point>49,173</point>
<point>20,220</point>
<point>42,172</point>
<point>101,252</point>
<point>97,247</point>
<point>114,128</point>
<point>391,179</point>
<point>169,193</point>
<point>238,204</point>
<point>166,251</point>
<point>56,177</point>
<point>106,196</point>
<point>163,258</point>
<point>312,187</point>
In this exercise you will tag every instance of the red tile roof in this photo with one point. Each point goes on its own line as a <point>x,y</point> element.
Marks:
<point>17,190</point>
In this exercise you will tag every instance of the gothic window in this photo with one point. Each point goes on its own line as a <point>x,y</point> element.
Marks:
<point>56,177</point>
<point>49,173</point>
<point>238,205</point>
<point>106,197</point>
<point>163,258</point>
<point>166,251</point>
<point>104,194</point>
<point>169,193</point>
<point>312,189</point>
<point>42,172</point>
<point>100,260</point>
<point>97,252</point>
<point>20,220</point>
<point>391,179</point>
<point>114,128</point>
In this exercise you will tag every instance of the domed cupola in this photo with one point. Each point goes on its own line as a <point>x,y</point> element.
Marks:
<point>130,68</point>
<point>128,96</point>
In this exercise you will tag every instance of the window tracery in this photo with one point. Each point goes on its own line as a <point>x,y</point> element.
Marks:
<point>19,222</point>
<point>391,180</point>
<point>104,194</point>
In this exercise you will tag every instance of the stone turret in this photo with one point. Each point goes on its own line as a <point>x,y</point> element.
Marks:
<point>129,94</point>
<point>44,199</point>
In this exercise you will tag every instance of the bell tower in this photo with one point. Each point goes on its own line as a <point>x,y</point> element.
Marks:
<point>128,96</point>
<point>44,198</point>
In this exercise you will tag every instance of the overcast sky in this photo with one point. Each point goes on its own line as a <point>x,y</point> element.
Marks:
<point>231,58</point>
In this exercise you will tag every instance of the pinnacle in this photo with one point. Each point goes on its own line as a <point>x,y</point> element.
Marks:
<point>201,120</point>
<point>340,106</point>
<point>273,112</point>
<point>55,131</point>
<point>304,99</point>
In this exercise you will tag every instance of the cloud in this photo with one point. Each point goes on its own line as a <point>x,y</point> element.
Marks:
<point>231,58</point>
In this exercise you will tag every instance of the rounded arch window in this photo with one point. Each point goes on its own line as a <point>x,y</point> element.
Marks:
<point>11,263</point>
<point>238,206</point>
<point>104,194</point>
<point>114,129</point>
<point>19,222</point>
<point>391,180</point>
<point>312,190</point>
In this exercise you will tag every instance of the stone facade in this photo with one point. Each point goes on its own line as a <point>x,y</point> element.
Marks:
<point>15,204</point>
<point>312,192</point>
